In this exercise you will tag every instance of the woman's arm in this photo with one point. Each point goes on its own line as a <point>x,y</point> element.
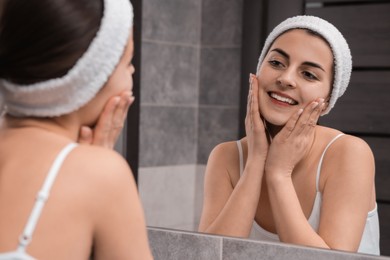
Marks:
<point>348,193</point>
<point>229,210</point>
<point>226,210</point>
<point>287,149</point>
<point>348,170</point>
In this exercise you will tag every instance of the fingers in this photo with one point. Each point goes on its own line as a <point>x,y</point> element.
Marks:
<point>304,120</point>
<point>291,124</point>
<point>315,112</point>
<point>252,119</point>
<point>85,135</point>
<point>111,120</point>
<point>120,112</point>
<point>105,123</point>
<point>120,115</point>
<point>309,117</point>
<point>254,109</point>
<point>248,105</point>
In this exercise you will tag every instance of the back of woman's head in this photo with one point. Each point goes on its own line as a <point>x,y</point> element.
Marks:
<point>43,39</point>
<point>56,55</point>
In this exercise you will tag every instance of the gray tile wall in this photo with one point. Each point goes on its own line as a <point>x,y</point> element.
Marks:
<point>190,80</point>
<point>172,196</point>
<point>191,54</point>
<point>170,244</point>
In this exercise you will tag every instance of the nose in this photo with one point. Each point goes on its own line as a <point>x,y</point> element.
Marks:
<point>286,79</point>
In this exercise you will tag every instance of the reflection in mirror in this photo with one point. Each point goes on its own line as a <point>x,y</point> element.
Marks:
<point>190,78</point>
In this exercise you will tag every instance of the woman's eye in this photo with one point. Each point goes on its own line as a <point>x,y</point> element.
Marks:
<point>309,75</point>
<point>275,63</point>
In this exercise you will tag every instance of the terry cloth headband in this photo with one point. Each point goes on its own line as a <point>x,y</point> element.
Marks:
<point>341,53</point>
<point>63,95</point>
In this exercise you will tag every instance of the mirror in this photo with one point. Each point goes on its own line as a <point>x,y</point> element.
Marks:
<point>195,58</point>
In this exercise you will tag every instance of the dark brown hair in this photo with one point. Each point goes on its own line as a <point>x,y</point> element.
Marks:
<point>43,39</point>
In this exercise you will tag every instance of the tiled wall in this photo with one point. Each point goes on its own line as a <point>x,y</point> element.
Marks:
<point>172,195</point>
<point>177,245</point>
<point>190,78</point>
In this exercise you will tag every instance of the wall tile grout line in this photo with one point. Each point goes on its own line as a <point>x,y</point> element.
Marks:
<point>221,248</point>
<point>199,58</point>
<point>182,44</point>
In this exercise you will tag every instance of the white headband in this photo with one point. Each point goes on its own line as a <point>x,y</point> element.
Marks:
<point>341,53</point>
<point>63,95</point>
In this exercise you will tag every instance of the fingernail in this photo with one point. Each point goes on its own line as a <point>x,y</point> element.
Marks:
<point>300,111</point>
<point>117,100</point>
<point>314,105</point>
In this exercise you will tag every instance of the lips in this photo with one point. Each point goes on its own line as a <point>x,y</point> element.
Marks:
<point>283,98</point>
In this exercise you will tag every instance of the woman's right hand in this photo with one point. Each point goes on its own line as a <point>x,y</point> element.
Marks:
<point>110,123</point>
<point>254,125</point>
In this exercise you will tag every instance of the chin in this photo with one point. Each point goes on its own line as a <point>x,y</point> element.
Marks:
<point>275,118</point>
<point>276,122</point>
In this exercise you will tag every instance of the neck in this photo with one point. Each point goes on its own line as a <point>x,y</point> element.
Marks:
<point>272,130</point>
<point>67,126</point>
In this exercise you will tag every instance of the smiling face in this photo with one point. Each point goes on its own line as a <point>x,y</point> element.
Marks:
<point>297,69</point>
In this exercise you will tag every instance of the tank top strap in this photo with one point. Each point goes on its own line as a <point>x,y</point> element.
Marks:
<point>42,196</point>
<point>241,156</point>
<point>321,159</point>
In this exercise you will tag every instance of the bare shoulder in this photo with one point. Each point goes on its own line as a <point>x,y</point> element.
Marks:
<point>225,155</point>
<point>108,195</point>
<point>98,158</point>
<point>225,151</point>
<point>349,158</point>
<point>224,158</point>
<point>350,147</point>
<point>98,172</point>
<point>344,146</point>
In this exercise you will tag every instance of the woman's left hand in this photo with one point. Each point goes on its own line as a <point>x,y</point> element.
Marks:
<point>294,140</point>
<point>110,123</point>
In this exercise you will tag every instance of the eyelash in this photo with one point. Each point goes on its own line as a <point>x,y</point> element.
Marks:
<point>309,75</point>
<point>275,63</point>
<point>306,74</point>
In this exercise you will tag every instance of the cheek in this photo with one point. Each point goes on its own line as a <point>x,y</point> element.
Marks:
<point>123,81</point>
<point>310,96</point>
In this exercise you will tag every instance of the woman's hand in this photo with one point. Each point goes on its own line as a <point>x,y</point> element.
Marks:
<point>294,141</point>
<point>254,125</point>
<point>110,122</point>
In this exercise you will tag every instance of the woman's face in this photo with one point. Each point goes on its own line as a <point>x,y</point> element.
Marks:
<point>120,80</point>
<point>297,69</point>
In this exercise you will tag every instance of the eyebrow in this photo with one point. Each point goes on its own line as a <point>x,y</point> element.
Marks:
<point>308,63</point>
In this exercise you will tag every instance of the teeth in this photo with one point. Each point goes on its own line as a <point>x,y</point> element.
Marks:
<point>283,99</point>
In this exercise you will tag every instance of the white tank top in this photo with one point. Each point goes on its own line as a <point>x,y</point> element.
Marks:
<point>370,239</point>
<point>20,253</point>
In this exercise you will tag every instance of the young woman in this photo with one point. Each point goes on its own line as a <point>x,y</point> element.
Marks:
<point>290,179</point>
<point>66,76</point>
